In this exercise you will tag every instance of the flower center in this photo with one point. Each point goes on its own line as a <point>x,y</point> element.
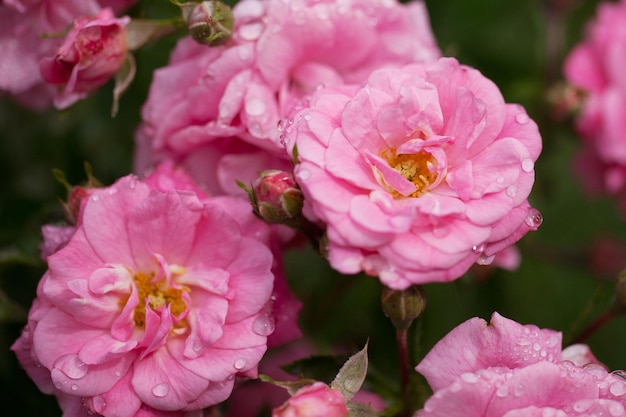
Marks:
<point>156,295</point>
<point>417,168</point>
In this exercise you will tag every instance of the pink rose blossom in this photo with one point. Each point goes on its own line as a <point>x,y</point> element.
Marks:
<point>91,54</point>
<point>154,305</point>
<point>418,174</point>
<point>596,66</point>
<point>316,400</point>
<point>505,369</point>
<point>23,26</point>
<point>280,52</point>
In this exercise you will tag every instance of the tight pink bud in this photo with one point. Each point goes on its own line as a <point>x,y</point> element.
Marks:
<point>276,197</point>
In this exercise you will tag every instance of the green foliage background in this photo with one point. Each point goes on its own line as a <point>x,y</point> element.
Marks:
<point>520,44</point>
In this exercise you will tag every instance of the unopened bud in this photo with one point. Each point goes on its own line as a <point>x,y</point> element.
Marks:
<point>210,22</point>
<point>402,307</point>
<point>276,197</point>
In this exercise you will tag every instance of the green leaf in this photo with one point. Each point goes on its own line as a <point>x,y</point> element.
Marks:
<point>352,374</point>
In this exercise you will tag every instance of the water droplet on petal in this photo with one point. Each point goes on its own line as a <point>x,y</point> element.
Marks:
<point>485,259</point>
<point>74,387</point>
<point>522,118</point>
<point>518,390</point>
<point>534,218</point>
<point>58,384</point>
<point>118,373</point>
<point>307,117</point>
<point>527,165</point>
<point>617,388</point>
<point>99,404</point>
<point>282,123</point>
<point>239,364</point>
<point>511,191</point>
<point>502,391</point>
<point>469,377</point>
<point>478,248</point>
<point>619,373</point>
<point>251,31</point>
<point>263,325</point>
<point>616,409</point>
<point>113,191</point>
<point>161,390</point>
<point>95,198</point>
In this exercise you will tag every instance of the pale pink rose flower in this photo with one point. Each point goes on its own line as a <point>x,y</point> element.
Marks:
<point>92,52</point>
<point>596,66</point>
<point>418,174</point>
<point>280,52</point>
<point>157,301</point>
<point>23,26</point>
<point>505,369</point>
<point>316,400</point>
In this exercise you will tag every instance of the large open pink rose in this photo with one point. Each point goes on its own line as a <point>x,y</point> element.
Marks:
<point>418,174</point>
<point>157,301</point>
<point>505,369</point>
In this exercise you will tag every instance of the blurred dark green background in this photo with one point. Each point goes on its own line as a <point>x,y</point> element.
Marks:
<point>520,44</point>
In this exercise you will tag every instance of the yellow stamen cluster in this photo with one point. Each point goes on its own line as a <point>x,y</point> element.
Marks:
<point>157,294</point>
<point>417,168</point>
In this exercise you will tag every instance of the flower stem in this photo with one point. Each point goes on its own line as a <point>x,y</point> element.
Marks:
<point>405,369</point>
<point>600,321</point>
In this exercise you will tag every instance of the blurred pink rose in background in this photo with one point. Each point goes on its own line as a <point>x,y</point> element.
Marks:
<point>156,302</point>
<point>507,369</point>
<point>418,174</point>
<point>217,109</point>
<point>596,66</point>
<point>93,51</point>
<point>316,400</point>
<point>23,42</point>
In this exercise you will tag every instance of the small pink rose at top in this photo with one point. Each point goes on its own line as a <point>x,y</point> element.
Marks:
<point>24,40</point>
<point>417,174</point>
<point>596,67</point>
<point>280,52</point>
<point>93,51</point>
<point>316,400</point>
<point>156,302</point>
<point>507,369</point>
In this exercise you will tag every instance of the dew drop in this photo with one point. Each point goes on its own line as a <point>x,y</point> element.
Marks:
<point>118,373</point>
<point>523,342</point>
<point>485,259</point>
<point>95,198</point>
<point>615,409</point>
<point>502,391</point>
<point>500,180</point>
<point>522,118</point>
<point>478,248</point>
<point>619,374</point>
<point>527,165</point>
<point>72,366</point>
<point>74,387</point>
<point>113,191</point>
<point>511,191</point>
<point>99,404</point>
<point>161,390</point>
<point>617,388</point>
<point>263,325</point>
<point>58,384</point>
<point>282,123</point>
<point>518,390</point>
<point>307,117</point>
<point>251,31</point>
<point>239,364</point>
<point>469,377</point>
<point>534,218</point>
